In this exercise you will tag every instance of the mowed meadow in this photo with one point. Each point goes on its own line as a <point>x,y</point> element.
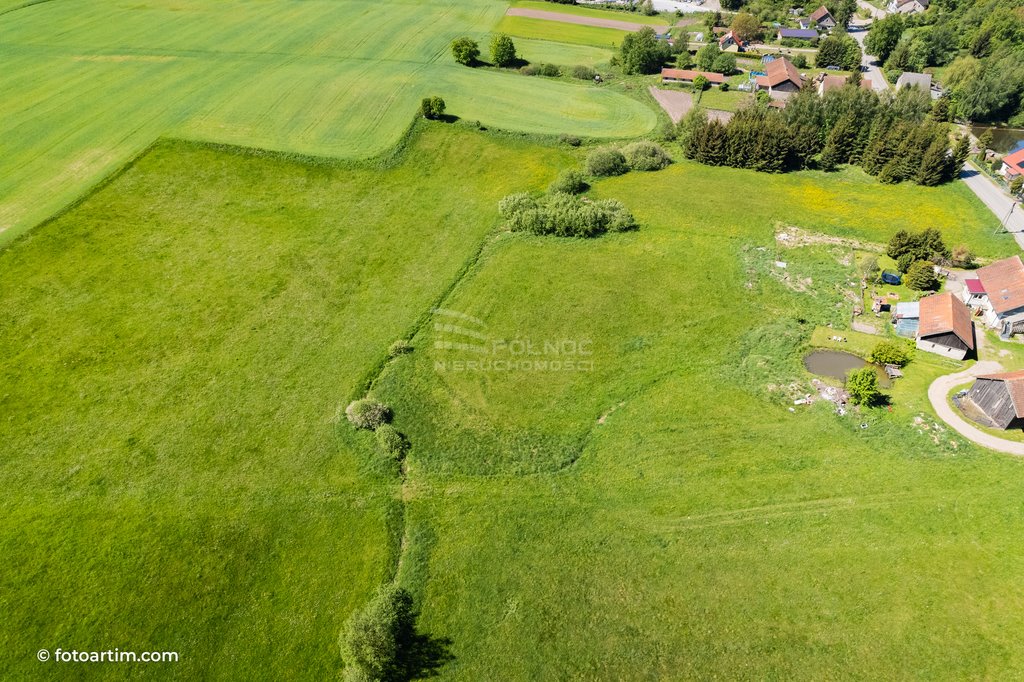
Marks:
<point>177,350</point>
<point>88,84</point>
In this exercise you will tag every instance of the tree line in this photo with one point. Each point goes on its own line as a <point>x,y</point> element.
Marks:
<point>892,137</point>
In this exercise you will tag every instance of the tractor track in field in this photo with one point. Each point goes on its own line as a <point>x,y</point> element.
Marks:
<point>26,5</point>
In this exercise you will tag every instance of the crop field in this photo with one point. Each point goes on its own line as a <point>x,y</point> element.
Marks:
<point>177,350</point>
<point>541,29</point>
<point>90,83</point>
<point>577,10</point>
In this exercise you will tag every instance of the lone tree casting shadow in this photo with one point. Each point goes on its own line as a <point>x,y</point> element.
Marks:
<point>380,642</point>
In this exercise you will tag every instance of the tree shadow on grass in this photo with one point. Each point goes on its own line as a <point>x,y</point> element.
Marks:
<point>424,657</point>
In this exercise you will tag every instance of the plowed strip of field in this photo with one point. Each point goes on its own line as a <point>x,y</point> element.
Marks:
<point>585,21</point>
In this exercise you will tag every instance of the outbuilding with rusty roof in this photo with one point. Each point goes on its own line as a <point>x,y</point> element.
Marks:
<point>1000,397</point>
<point>945,326</point>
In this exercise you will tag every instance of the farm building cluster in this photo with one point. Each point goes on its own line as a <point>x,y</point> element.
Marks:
<point>996,295</point>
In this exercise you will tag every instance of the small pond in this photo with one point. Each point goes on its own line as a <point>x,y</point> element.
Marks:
<point>837,364</point>
<point>1004,140</point>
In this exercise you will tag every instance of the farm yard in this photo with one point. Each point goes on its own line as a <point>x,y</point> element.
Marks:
<point>610,482</point>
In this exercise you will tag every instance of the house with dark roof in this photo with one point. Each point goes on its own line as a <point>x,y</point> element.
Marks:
<point>945,326</point>
<point>1013,165</point>
<point>687,76</point>
<point>822,18</point>
<point>1001,298</point>
<point>781,80</point>
<point>798,34</point>
<point>1000,397</point>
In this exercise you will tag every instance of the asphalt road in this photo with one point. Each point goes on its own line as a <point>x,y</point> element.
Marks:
<point>859,32</point>
<point>997,201</point>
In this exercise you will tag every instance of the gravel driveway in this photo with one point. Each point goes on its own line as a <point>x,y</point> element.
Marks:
<point>941,387</point>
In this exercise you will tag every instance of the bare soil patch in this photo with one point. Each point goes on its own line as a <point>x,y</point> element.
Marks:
<point>677,102</point>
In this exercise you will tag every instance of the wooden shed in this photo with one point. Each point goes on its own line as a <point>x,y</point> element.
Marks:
<point>1001,398</point>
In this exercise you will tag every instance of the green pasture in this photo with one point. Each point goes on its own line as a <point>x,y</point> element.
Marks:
<point>176,356</point>
<point>90,83</point>
<point>177,351</point>
<point>662,514</point>
<point>542,29</point>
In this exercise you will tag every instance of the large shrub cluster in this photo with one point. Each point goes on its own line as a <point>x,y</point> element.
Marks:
<point>378,639</point>
<point>606,162</point>
<point>368,413</point>
<point>645,156</point>
<point>569,182</point>
<point>565,215</point>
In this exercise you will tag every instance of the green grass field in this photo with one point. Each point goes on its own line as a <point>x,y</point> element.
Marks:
<point>89,84</point>
<point>171,453</point>
<point>566,54</point>
<point>178,348</point>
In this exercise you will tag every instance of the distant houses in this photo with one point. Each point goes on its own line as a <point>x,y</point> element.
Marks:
<point>687,76</point>
<point>907,6</point>
<point>822,18</point>
<point>1000,397</point>
<point>782,79</point>
<point>945,326</point>
<point>1013,165</point>
<point>997,293</point>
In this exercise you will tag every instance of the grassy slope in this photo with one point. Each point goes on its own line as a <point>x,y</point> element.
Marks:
<point>175,356</point>
<point>705,530</point>
<point>89,84</point>
<point>545,51</point>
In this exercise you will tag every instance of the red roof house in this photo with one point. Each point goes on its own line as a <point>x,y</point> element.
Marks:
<point>1013,165</point>
<point>782,78</point>
<point>687,76</point>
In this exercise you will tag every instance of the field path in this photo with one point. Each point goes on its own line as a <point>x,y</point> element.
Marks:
<point>941,387</point>
<point>677,103</point>
<point>585,21</point>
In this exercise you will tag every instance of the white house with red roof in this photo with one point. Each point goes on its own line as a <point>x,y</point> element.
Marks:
<point>1013,165</point>
<point>998,292</point>
<point>730,42</point>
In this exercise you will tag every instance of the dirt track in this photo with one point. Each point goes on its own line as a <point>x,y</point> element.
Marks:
<point>585,21</point>
<point>676,103</point>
